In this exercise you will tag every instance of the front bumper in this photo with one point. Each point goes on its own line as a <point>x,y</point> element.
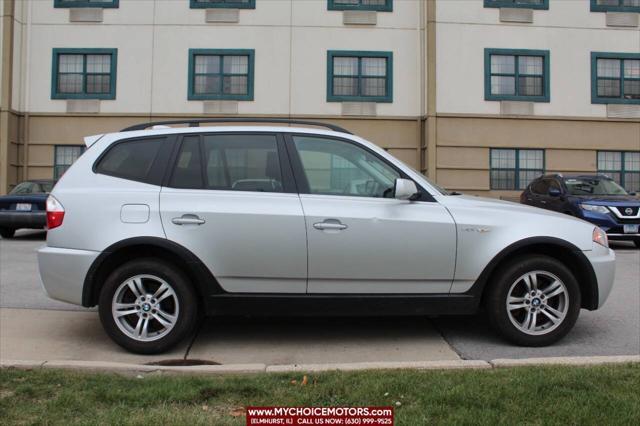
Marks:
<point>63,272</point>
<point>17,220</point>
<point>611,225</point>
<point>603,261</point>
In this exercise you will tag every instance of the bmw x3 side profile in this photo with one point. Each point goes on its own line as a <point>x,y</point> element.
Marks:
<point>278,220</point>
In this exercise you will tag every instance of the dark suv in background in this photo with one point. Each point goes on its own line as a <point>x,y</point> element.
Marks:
<point>594,198</point>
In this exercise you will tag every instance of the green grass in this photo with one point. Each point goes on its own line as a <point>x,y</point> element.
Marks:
<point>547,395</point>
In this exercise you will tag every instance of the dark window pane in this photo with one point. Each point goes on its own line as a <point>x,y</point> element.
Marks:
<point>242,163</point>
<point>530,86</point>
<point>188,170</point>
<point>98,83</point>
<point>131,160</point>
<point>374,87</point>
<point>632,89</point>
<point>345,86</point>
<point>235,85</point>
<point>503,179</point>
<point>609,88</point>
<point>632,181</point>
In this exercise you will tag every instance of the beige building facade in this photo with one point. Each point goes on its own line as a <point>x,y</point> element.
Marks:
<point>480,95</point>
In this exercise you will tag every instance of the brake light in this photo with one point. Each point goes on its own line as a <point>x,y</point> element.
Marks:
<point>55,212</point>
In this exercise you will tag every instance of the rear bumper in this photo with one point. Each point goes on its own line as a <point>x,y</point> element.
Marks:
<point>16,220</point>
<point>63,272</point>
<point>603,261</point>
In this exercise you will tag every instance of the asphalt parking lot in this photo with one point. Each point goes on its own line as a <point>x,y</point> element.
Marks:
<point>30,323</point>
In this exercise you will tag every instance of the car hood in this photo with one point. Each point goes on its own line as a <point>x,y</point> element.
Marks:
<point>608,200</point>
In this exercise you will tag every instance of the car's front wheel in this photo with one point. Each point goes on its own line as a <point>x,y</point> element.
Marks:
<point>147,306</point>
<point>533,301</point>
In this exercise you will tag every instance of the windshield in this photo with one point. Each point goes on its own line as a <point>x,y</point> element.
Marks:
<point>32,188</point>
<point>593,186</point>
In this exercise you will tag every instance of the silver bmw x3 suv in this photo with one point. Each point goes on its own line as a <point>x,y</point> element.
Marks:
<point>157,225</point>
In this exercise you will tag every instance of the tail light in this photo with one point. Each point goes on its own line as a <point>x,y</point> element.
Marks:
<point>55,212</point>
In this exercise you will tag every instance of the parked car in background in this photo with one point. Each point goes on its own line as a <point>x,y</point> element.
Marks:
<point>594,198</point>
<point>24,207</point>
<point>154,226</point>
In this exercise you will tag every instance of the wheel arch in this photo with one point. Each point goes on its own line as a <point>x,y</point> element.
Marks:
<point>570,255</point>
<point>201,278</point>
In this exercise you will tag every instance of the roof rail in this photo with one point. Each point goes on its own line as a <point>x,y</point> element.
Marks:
<point>196,123</point>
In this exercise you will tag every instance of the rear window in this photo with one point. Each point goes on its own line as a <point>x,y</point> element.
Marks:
<point>131,160</point>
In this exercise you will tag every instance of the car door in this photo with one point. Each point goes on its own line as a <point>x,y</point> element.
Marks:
<point>555,202</point>
<point>231,200</point>
<point>539,193</point>
<point>360,238</point>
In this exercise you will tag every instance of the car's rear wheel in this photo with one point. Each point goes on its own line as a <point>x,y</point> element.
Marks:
<point>147,306</point>
<point>7,232</point>
<point>534,301</point>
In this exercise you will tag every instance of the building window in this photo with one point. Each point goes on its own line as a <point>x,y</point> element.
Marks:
<point>615,5</point>
<point>621,166</point>
<point>359,76</point>
<point>516,75</point>
<point>86,3</point>
<point>221,74</point>
<point>84,74</point>
<point>231,4</point>
<point>64,156</point>
<point>377,5</point>
<point>615,78</point>
<point>514,169</point>
<point>528,4</point>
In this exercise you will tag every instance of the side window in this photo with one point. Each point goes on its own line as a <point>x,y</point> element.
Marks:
<point>131,159</point>
<point>335,167</point>
<point>540,187</point>
<point>554,184</point>
<point>188,170</point>
<point>242,163</point>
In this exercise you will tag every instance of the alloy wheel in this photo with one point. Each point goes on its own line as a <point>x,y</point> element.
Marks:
<point>145,308</point>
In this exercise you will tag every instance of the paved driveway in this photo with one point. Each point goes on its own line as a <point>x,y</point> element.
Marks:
<point>75,332</point>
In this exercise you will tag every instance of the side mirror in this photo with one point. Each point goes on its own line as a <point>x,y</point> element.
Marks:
<point>555,192</point>
<point>405,189</point>
<point>633,194</point>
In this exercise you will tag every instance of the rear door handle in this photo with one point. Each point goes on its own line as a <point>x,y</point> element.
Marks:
<point>187,219</point>
<point>330,224</point>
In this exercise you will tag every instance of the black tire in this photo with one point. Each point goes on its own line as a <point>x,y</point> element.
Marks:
<point>506,276</point>
<point>188,305</point>
<point>7,232</point>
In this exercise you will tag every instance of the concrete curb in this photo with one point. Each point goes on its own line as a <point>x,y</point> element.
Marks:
<point>291,368</point>
<point>568,360</point>
<point>357,366</point>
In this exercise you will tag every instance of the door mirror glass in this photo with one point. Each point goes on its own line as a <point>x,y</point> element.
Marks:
<point>555,192</point>
<point>405,189</point>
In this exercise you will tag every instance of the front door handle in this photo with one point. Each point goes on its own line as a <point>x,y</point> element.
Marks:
<point>330,225</point>
<point>187,219</point>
